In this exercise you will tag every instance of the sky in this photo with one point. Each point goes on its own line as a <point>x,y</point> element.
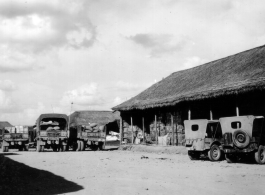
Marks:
<point>97,54</point>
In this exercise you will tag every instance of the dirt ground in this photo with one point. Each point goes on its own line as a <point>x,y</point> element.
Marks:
<point>124,172</point>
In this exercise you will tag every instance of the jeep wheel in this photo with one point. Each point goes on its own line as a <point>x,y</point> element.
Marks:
<point>214,153</point>
<point>260,155</point>
<point>230,158</point>
<point>194,156</point>
<point>241,139</point>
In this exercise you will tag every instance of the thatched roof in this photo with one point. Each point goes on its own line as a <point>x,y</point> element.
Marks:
<point>234,74</point>
<point>4,124</point>
<point>100,117</point>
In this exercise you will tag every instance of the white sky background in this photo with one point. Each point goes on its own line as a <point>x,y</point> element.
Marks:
<point>99,53</point>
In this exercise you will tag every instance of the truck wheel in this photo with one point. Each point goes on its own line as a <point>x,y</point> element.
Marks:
<point>26,147</point>
<point>3,149</point>
<point>42,148</point>
<point>63,148</point>
<point>214,153</point>
<point>260,155</point>
<point>101,146</point>
<point>6,148</point>
<point>20,147</point>
<point>38,146</point>
<point>82,146</point>
<point>230,158</point>
<point>78,145</point>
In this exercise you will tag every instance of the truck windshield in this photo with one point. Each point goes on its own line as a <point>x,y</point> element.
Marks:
<point>213,130</point>
<point>53,124</point>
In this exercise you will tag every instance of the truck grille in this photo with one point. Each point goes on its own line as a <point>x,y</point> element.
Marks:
<point>16,136</point>
<point>53,134</point>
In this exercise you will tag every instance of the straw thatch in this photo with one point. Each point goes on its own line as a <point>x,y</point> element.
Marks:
<point>234,74</point>
<point>4,124</point>
<point>100,117</point>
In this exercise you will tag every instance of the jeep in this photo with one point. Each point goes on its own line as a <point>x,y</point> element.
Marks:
<point>203,138</point>
<point>244,136</point>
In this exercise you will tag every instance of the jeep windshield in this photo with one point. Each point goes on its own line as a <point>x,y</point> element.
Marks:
<point>47,124</point>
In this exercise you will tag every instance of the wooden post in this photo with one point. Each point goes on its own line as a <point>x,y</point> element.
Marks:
<point>237,111</point>
<point>211,115</point>
<point>156,131</point>
<point>189,114</point>
<point>172,127</point>
<point>143,131</point>
<point>132,128</point>
<point>121,130</point>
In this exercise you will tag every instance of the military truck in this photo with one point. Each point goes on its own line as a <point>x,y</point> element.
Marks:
<point>244,136</point>
<point>15,138</point>
<point>203,139</point>
<point>52,132</point>
<point>92,129</point>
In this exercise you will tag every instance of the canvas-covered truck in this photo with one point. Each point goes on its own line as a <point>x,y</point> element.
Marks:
<point>52,132</point>
<point>94,130</point>
<point>15,137</point>
<point>244,136</point>
<point>203,139</point>
<point>3,125</point>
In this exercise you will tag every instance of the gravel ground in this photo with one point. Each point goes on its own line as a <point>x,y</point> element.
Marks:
<point>124,172</point>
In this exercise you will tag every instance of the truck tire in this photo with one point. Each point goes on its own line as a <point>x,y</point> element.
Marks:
<point>241,139</point>
<point>63,148</point>
<point>26,147</point>
<point>194,155</point>
<point>260,155</point>
<point>101,146</point>
<point>3,149</point>
<point>214,153</point>
<point>38,146</point>
<point>82,146</point>
<point>78,145</point>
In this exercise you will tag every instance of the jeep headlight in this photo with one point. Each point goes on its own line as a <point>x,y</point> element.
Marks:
<point>43,133</point>
<point>63,133</point>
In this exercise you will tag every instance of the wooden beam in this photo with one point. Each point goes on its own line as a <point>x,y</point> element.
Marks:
<point>172,127</point>
<point>132,128</point>
<point>121,130</point>
<point>237,111</point>
<point>143,130</point>
<point>156,130</point>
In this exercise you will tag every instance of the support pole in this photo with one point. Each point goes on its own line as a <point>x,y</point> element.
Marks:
<point>143,131</point>
<point>211,115</point>
<point>172,127</point>
<point>132,128</point>
<point>156,130</point>
<point>237,111</point>
<point>189,114</point>
<point>121,130</point>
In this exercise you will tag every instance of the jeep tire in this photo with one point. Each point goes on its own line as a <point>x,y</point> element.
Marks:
<point>260,155</point>
<point>194,155</point>
<point>215,153</point>
<point>241,139</point>
<point>231,158</point>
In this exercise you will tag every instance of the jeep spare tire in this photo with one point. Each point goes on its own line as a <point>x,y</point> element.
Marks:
<point>241,139</point>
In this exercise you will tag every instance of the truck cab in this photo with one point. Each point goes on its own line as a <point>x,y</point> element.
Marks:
<point>52,132</point>
<point>244,136</point>
<point>203,138</point>
<point>15,138</point>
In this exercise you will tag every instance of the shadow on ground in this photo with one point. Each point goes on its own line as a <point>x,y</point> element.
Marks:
<point>18,178</point>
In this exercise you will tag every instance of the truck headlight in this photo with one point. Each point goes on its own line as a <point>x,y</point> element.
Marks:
<point>43,133</point>
<point>7,136</point>
<point>63,133</point>
<point>24,135</point>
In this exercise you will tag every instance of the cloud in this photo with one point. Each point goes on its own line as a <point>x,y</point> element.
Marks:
<point>159,44</point>
<point>192,62</point>
<point>34,28</point>
<point>125,86</point>
<point>86,95</point>
<point>7,105</point>
<point>7,85</point>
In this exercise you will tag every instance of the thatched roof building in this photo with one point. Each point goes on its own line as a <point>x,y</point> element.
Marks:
<point>236,74</point>
<point>4,124</point>
<point>100,117</point>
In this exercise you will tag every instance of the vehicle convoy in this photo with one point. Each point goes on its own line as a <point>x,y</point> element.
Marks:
<point>203,138</point>
<point>244,136</point>
<point>15,137</point>
<point>91,129</point>
<point>52,132</point>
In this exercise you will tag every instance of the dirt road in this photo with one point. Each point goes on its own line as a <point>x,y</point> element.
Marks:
<point>124,172</point>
